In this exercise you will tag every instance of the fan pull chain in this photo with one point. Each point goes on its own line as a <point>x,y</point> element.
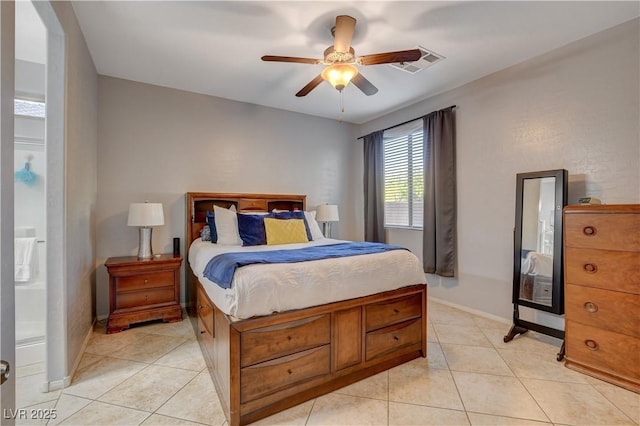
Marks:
<point>341,101</point>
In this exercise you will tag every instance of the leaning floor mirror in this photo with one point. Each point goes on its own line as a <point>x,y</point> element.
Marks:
<point>538,257</point>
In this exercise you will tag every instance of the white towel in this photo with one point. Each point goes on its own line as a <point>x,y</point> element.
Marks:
<point>26,259</point>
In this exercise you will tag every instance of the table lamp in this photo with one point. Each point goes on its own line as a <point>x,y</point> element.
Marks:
<point>145,216</point>
<point>327,213</point>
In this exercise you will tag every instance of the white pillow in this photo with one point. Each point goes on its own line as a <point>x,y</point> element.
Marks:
<point>316,233</point>
<point>227,226</point>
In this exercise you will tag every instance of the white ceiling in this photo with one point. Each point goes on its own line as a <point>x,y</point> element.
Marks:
<point>214,48</point>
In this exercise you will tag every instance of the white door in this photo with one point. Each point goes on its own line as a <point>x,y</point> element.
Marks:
<point>7,308</point>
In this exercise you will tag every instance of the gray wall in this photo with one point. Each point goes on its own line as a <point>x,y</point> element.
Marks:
<point>157,143</point>
<point>80,184</point>
<point>575,108</point>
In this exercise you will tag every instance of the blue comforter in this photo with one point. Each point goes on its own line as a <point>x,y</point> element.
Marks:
<point>222,267</point>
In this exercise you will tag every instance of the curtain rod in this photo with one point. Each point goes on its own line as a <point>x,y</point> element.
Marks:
<point>400,124</point>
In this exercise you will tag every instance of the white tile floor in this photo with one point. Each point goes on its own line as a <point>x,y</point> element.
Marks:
<point>154,374</point>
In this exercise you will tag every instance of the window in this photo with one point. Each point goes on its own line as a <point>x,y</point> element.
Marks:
<point>403,177</point>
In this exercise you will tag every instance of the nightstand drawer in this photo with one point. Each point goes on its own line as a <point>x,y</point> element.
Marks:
<point>143,298</point>
<point>145,281</point>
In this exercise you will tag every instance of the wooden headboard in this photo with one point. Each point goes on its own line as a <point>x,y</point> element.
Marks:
<point>199,202</point>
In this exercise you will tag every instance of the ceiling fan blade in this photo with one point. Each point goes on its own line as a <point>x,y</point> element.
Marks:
<point>270,58</point>
<point>343,33</point>
<point>365,85</point>
<point>310,86</point>
<point>390,57</point>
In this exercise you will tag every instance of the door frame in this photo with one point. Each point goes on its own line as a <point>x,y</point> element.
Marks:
<point>7,289</point>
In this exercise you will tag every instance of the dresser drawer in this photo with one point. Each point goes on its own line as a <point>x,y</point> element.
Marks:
<point>616,270</point>
<point>603,231</point>
<point>603,350</point>
<point>145,281</point>
<point>268,377</point>
<point>380,315</point>
<point>384,340</point>
<point>205,311</point>
<point>271,342</point>
<point>142,298</point>
<point>610,310</point>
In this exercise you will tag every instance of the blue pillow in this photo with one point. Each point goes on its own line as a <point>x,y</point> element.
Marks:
<point>251,229</point>
<point>296,214</point>
<point>211,221</point>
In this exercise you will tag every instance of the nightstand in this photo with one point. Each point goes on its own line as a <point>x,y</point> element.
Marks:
<point>143,290</point>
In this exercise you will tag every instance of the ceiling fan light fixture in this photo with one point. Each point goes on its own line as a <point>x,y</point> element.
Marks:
<point>339,75</point>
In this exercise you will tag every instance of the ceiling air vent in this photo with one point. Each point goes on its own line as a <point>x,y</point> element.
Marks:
<point>427,59</point>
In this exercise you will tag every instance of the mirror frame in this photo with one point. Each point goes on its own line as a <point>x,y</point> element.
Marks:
<point>557,301</point>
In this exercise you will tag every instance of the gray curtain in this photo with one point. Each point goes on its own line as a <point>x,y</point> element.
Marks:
<point>374,187</point>
<point>439,236</point>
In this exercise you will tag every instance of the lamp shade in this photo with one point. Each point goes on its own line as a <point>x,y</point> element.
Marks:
<point>145,214</point>
<point>339,75</point>
<point>327,213</point>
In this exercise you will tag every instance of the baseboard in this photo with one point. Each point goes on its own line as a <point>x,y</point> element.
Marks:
<point>61,384</point>
<point>472,311</point>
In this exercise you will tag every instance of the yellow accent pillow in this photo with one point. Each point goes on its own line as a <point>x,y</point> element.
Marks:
<point>285,231</point>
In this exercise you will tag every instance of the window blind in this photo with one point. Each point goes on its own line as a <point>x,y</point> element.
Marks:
<point>403,180</point>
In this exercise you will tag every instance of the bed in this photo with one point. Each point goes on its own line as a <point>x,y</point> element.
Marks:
<point>536,276</point>
<point>276,345</point>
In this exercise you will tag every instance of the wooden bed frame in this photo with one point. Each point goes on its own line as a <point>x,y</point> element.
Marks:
<point>263,365</point>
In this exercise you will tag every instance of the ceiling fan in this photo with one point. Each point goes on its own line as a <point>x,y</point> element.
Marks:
<point>340,60</point>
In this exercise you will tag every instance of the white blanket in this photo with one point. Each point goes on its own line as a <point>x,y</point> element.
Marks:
<point>267,288</point>
<point>538,264</point>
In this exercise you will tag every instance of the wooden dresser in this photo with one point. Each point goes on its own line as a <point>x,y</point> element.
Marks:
<point>602,292</point>
<point>143,290</point>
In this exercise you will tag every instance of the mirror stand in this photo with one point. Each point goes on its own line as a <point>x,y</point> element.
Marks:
<point>521,326</point>
<point>538,255</point>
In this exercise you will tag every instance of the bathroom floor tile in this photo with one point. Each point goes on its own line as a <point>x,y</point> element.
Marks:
<point>29,391</point>
<point>335,409</point>
<point>186,356</point>
<point>409,414</point>
<point>478,419</point>
<point>376,387</point>
<point>196,402</point>
<point>150,388</point>
<point>475,359</point>
<point>294,416</point>
<point>461,334</point>
<point>152,349</point>
<point>497,395</point>
<point>575,403</point>
<point>416,383</point>
<point>539,365</point>
<point>99,413</point>
<point>97,378</point>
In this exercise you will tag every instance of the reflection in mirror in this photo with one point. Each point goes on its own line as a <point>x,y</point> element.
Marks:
<point>538,212</point>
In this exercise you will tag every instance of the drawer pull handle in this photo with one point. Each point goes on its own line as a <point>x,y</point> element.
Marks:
<point>396,311</point>
<point>589,231</point>
<point>289,371</point>
<point>396,338</point>
<point>592,345</point>
<point>146,281</point>
<point>289,337</point>
<point>590,307</point>
<point>591,268</point>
